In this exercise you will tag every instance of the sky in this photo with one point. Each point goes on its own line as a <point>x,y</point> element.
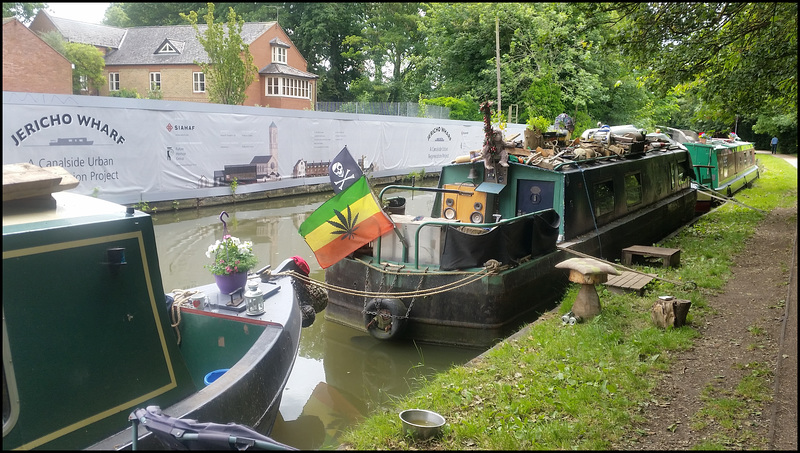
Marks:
<point>92,13</point>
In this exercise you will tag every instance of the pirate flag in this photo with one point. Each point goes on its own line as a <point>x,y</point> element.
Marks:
<point>343,170</point>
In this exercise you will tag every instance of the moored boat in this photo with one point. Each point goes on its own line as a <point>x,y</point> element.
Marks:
<point>722,166</point>
<point>89,335</point>
<point>482,263</point>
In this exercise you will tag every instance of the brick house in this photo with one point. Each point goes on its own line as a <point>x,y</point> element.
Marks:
<point>30,65</point>
<point>141,58</point>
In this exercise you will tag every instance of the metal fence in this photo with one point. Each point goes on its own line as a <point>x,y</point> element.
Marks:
<point>412,109</point>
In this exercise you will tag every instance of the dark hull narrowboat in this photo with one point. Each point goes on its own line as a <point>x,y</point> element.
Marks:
<point>482,263</point>
<point>88,336</point>
<point>721,166</point>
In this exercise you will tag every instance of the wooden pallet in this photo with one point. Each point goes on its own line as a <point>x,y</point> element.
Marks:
<point>629,282</point>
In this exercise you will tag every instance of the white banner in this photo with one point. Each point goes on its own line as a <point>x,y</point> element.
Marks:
<point>131,150</point>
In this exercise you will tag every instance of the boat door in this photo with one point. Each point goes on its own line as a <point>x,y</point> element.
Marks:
<point>533,195</point>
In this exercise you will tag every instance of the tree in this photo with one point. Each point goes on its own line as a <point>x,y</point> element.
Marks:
<point>319,30</point>
<point>89,64</point>
<point>230,69</point>
<point>25,12</point>
<point>716,50</point>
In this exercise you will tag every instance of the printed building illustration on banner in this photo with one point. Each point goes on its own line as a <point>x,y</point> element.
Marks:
<point>262,168</point>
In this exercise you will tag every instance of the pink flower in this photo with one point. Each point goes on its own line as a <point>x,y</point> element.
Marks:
<point>227,269</point>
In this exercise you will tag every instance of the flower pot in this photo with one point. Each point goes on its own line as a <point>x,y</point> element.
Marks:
<point>229,283</point>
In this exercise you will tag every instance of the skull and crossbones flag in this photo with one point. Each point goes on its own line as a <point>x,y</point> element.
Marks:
<point>343,170</point>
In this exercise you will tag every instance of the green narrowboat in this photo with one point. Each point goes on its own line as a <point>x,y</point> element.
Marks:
<point>722,166</point>
<point>482,263</point>
<point>88,335</point>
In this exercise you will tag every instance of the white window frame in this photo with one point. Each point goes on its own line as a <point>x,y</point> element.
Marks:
<point>288,87</point>
<point>155,81</point>
<point>113,81</point>
<point>279,54</point>
<point>198,82</point>
<point>84,82</point>
<point>167,48</point>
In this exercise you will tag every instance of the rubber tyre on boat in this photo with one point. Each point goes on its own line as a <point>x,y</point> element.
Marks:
<point>398,312</point>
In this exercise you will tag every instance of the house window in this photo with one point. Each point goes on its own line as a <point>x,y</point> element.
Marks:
<point>633,189</point>
<point>199,84</point>
<point>113,81</point>
<point>84,81</point>
<point>288,87</point>
<point>155,81</point>
<point>278,54</point>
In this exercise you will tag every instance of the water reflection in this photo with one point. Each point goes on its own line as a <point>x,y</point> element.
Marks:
<point>340,374</point>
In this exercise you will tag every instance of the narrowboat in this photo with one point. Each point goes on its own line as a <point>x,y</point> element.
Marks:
<point>89,335</point>
<point>721,165</point>
<point>482,262</point>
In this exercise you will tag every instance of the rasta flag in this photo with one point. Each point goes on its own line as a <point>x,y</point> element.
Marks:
<point>349,220</point>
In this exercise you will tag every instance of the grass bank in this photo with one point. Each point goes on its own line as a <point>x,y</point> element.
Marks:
<point>579,387</point>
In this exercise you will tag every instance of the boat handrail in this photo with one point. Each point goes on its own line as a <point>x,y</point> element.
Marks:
<point>424,189</point>
<point>450,223</point>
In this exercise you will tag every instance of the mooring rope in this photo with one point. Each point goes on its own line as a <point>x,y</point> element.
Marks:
<point>180,300</point>
<point>584,255</point>
<point>490,268</point>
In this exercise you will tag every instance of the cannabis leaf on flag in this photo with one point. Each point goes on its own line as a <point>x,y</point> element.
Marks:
<point>345,223</point>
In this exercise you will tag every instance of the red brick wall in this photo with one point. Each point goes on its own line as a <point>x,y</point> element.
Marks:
<point>30,65</point>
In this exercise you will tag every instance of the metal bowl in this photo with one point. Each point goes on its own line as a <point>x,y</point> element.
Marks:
<point>421,424</point>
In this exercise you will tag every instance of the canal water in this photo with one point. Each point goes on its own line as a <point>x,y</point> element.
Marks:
<point>341,375</point>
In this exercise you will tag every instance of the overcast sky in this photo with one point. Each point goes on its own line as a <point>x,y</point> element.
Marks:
<point>84,12</point>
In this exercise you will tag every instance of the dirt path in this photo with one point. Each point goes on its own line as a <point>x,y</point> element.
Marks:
<point>754,327</point>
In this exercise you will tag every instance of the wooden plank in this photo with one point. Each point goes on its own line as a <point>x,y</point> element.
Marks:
<point>24,180</point>
<point>629,281</point>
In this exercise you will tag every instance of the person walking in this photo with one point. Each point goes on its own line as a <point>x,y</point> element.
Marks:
<point>774,144</point>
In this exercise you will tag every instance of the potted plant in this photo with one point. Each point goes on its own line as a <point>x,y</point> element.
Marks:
<point>232,259</point>
<point>702,136</point>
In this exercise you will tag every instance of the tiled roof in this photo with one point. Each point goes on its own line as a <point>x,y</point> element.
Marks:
<point>141,43</point>
<point>282,69</point>
<point>86,33</point>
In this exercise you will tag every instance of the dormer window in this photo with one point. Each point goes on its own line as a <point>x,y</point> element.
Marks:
<point>279,54</point>
<point>169,48</point>
<point>279,50</point>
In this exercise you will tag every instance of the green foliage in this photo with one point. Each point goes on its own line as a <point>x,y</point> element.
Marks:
<point>230,69</point>
<point>460,109</point>
<point>231,255</point>
<point>319,30</point>
<point>23,11</point>
<point>54,40</point>
<point>89,63</point>
<point>539,123</point>
<point>125,93</point>
<point>155,94</point>
<point>560,387</point>
<point>234,185</point>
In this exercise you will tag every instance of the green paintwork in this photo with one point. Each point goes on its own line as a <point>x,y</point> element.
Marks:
<point>76,328</point>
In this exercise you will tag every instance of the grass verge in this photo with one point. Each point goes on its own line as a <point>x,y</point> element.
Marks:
<point>560,387</point>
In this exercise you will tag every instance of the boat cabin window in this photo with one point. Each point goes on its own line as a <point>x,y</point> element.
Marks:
<point>633,189</point>
<point>673,171</point>
<point>603,198</point>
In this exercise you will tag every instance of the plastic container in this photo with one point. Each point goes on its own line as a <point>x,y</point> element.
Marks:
<point>214,375</point>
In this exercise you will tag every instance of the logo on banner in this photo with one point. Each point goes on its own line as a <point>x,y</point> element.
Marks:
<point>179,127</point>
<point>343,171</point>
<point>439,134</point>
<point>65,119</point>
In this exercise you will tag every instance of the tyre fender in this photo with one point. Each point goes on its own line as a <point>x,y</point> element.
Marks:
<point>372,321</point>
